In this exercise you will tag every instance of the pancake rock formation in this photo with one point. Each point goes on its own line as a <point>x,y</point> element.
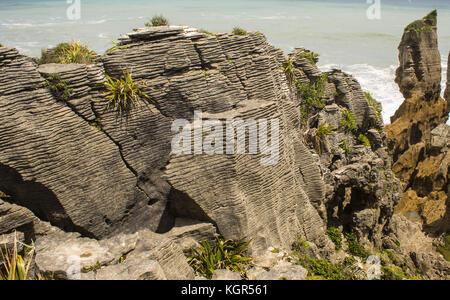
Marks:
<point>116,194</point>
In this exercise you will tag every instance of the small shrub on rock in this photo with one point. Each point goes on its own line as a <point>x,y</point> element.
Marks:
<point>124,94</point>
<point>158,20</point>
<point>239,31</point>
<point>221,254</point>
<point>68,53</point>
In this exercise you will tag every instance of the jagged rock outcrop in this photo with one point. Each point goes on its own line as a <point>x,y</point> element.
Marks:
<point>67,160</point>
<point>361,190</point>
<point>415,249</point>
<point>418,134</point>
<point>420,62</point>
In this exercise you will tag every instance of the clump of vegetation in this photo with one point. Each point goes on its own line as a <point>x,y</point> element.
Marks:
<point>96,124</point>
<point>1,45</point>
<point>94,267</point>
<point>311,95</point>
<point>392,273</point>
<point>364,140</point>
<point>3,195</point>
<point>68,53</point>
<point>205,32</point>
<point>221,254</point>
<point>289,70</point>
<point>311,56</point>
<point>445,249</point>
<point>300,245</point>
<point>348,121</point>
<point>205,73</point>
<point>239,31</point>
<point>60,89</point>
<point>424,24</point>
<point>336,237</point>
<point>374,104</point>
<point>117,46</point>
<point>349,261</point>
<point>13,266</point>
<point>322,269</point>
<point>124,94</point>
<point>157,20</point>
<point>346,147</point>
<point>418,26</point>
<point>354,247</point>
<point>324,130</point>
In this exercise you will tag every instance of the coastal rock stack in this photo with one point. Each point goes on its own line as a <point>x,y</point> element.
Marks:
<point>418,134</point>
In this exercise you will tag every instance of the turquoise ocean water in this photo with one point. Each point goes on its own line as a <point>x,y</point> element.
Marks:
<point>339,31</point>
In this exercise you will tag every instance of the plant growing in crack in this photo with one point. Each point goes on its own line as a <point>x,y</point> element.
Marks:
<point>124,94</point>
<point>59,88</point>
<point>324,130</point>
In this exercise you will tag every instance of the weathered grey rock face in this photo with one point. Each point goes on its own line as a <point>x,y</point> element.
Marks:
<point>142,255</point>
<point>414,248</point>
<point>124,177</point>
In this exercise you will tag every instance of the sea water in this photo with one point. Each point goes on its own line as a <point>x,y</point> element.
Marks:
<point>345,33</point>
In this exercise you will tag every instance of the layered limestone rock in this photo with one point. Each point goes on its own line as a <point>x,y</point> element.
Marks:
<point>418,134</point>
<point>120,175</point>
<point>67,160</point>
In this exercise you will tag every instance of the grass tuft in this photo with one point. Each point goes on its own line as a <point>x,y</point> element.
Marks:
<point>239,31</point>
<point>68,53</point>
<point>59,88</point>
<point>221,254</point>
<point>374,104</point>
<point>289,70</point>
<point>13,266</point>
<point>311,56</point>
<point>158,20</point>
<point>124,94</point>
<point>324,130</point>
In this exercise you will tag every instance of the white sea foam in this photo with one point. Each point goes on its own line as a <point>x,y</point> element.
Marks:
<point>379,82</point>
